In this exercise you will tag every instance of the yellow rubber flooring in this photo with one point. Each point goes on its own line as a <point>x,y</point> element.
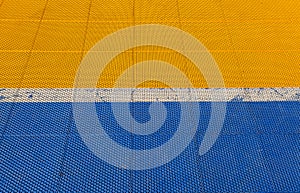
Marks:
<point>255,43</point>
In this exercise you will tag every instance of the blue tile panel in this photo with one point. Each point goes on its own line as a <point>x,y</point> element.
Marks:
<point>257,150</point>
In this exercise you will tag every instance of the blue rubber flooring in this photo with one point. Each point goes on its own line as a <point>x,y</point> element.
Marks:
<point>258,150</point>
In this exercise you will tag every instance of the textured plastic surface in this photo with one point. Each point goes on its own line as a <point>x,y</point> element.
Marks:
<point>258,150</point>
<point>255,43</point>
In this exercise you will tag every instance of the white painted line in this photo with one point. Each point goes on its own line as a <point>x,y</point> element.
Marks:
<point>149,95</point>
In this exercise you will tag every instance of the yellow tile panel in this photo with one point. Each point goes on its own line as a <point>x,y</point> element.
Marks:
<point>230,68</point>
<point>115,69</point>
<point>116,11</point>
<point>255,43</point>
<point>97,31</point>
<point>156,10</point>
<point>254,36</point>
<point>12,67</point>
<point>17,35</point>
<point>200,11</point>
<point>76,10</point>
<point>51,70</point>
<point>125,60</point>
<point>269,69</point>
<point>293,59</point>
<point>22,9</point>
<point>289,34</point>
<point>60,36</point>
<point>213,35</point>
<point>185,66</point>
<point>260,10</point>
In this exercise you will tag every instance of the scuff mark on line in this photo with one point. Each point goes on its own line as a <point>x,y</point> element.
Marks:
<point>2,97</point>
<point>237,98</point>
<point>276,91</point>
<point>297,97</point>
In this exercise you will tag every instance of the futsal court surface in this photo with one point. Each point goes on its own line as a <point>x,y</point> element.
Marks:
<point>149,96</point>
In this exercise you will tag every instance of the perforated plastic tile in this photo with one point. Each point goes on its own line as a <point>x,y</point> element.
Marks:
<point>274,118</point>
<point>236,163</point>
<point>83,171</point>
<point>30,163</point>
<point>39,119</point>
<point>283,159</point>
<point>254,43</point>
<point>4,115</point>
<point>46,153</point>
